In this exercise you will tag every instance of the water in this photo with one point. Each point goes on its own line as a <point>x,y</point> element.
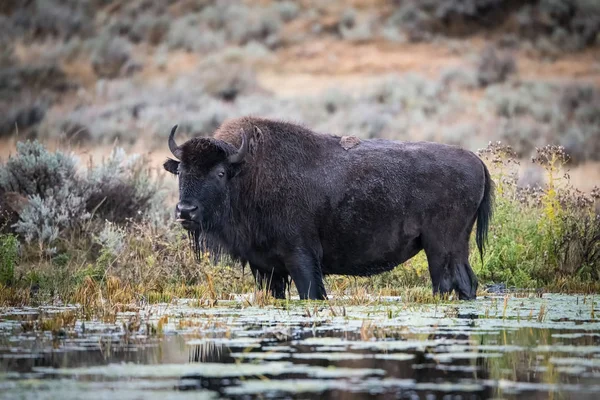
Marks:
<point>534,348</point>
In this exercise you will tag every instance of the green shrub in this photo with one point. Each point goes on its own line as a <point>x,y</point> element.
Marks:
<point>540,235</point>
<point>8,259</point>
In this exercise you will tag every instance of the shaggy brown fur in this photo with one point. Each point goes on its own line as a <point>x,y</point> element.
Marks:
<point>300,205</point>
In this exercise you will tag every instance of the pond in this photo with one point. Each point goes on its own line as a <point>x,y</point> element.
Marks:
<point>529,347</point>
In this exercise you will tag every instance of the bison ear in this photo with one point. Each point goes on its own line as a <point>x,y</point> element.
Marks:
<point>171,166</point>
<point>254,139</point>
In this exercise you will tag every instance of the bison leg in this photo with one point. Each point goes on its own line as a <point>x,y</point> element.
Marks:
<point>465,280</point>
<point>275,282</point>
<point>450,270</point>
<point>439,266</point>
<point>307,276</point>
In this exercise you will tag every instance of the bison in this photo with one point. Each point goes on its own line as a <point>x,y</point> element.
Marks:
<point>293,203</point>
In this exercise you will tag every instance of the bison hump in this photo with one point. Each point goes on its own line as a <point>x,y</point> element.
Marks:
<point>349,142</point>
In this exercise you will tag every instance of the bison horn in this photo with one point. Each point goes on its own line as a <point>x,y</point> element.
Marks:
<point>242,151</point>
<point>172,145</point>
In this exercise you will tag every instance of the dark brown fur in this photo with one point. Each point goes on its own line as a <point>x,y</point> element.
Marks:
<point>299,205</point>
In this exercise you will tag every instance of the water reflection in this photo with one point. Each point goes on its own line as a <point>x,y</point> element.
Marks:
<point>464,351</point>
<point>209,352</point>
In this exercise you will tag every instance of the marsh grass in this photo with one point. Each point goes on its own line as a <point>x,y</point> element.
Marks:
<point>546,238</point>
<point>8,258</point>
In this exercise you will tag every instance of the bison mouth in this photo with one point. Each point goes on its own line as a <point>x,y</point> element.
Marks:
<point>188,224</point>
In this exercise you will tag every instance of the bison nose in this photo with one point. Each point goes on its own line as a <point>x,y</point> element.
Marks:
<point>184,211</point>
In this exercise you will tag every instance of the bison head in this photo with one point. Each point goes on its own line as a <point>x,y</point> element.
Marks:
<point>204,169</point>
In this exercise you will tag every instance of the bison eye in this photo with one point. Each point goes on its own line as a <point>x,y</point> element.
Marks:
<point>221,174</point>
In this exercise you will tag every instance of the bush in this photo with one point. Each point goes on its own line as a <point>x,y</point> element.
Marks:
<point>7,49</point>
<point>522,136</point>
<point>21,116</point>
<point>459,134</point>
<point>579,19</point>
<point>226,75</point>
<point>60,199</point>
<point>581,103</point>
<point>112,240</point>
<point>110,55</point>
<point>36,171</point>
<point>412,20</point>
<point>18,79</point>
<point>453,17</point>
<point>119,188</point>
<point>533,99</point>
<point>539,235</point>
<point>26,92</point>
<point>243,24</point>
<point>191,34</point>
<point>366,121</point>
<point>335,100</point>
<point>11,204</point>
<point>359,33</point>
<point>61,19</point>
<point>551,25</point>
<point>150,28</point>
<point>537,113</point>
<point>410,91</point>
<point>459,78</point>
<point>204,120</point>
<point>581,142</point>
<point>58,210</point>
<point>459,14</point>
<point>353,28</point>
<point>287,9</point>
<point>47,180</point>
<point>493,68</point>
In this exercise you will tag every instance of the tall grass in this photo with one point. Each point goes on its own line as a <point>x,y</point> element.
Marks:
<point>541,235</point>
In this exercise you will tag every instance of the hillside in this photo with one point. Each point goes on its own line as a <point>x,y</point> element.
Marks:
<point>89,74</point>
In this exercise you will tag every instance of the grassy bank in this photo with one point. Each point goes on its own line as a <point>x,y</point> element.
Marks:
<point>103,237</point>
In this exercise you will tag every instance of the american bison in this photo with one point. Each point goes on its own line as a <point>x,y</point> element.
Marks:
<point>295,203</point>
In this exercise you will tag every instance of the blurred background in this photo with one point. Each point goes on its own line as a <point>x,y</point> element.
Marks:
<point>91,74</point>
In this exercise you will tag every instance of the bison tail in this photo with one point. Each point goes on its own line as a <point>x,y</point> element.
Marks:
<point>484,213</point>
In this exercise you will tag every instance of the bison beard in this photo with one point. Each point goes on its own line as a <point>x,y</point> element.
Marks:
<point>296,204</point>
